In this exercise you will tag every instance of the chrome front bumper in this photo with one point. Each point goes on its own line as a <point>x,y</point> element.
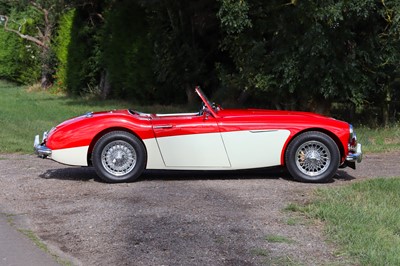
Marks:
<point>40,148</point>
<point>354,157</point>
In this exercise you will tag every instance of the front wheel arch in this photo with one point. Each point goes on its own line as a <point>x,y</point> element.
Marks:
<point>312,156</point>
<point>334,137</point>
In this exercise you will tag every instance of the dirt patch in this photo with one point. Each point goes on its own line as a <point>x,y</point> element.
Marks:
<point>173,218</point>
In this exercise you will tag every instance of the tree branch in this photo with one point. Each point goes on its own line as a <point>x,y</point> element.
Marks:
<point>45,14</point>
<point>23,36</point>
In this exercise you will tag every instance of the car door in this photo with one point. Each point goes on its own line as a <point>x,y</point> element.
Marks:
<point>251,142</point>
<point>190,141</point>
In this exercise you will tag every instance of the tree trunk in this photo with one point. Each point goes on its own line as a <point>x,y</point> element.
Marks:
<point>45,81</point>
<point>47,70</point>
<point>320,105</point>
<point>386,106</point>
<point>190,94</point>
<point>105,86</point>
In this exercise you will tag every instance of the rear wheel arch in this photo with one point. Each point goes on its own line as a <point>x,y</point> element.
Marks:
<point>104,132</point>
<point>119,156</point>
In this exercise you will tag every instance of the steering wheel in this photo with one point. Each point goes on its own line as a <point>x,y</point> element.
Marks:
<point>202,109</point>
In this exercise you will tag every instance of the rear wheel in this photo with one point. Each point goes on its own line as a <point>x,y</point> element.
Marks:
<point>312,157</point>
<point>119,156</point>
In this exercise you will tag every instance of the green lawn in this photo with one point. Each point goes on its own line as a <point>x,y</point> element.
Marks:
<point>362,219</point>
<point>24,114</point>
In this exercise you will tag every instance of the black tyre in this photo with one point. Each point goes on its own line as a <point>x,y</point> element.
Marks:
<point>119,156</point>
<point>312,157</point>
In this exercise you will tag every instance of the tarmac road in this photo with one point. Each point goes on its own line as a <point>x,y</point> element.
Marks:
<point>17,250</point>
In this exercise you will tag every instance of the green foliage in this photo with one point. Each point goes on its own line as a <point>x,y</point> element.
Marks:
<point>126,52</point>
<point>234,16</point>
<point>186,39</point>
<point>308,54</point>
<point>19,59</point>
<point>61,48</point>
<point>82,63</point>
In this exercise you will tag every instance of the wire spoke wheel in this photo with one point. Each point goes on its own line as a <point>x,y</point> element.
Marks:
<point>313,158</point>
<point>118,158</point>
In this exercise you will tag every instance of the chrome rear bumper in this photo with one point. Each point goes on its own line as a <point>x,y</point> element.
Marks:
<point>40,148</point>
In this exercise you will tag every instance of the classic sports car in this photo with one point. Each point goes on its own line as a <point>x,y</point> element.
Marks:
<point>121,144</point>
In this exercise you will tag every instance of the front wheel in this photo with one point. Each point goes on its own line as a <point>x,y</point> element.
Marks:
<point>312,157</point>
<point>119,156</point>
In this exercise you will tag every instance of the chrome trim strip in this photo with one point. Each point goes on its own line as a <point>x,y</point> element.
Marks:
<point>263,131</point>
<point>163,126</point>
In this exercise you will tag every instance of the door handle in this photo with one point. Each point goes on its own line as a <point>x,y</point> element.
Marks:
<point>163,126</point>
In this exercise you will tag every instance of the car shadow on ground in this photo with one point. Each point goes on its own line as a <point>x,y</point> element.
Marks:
<point>88,173</point>
<point>71,174</point>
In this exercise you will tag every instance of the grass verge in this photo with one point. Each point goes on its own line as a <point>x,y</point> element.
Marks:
<point>379,139</point>
<point>362,219</point>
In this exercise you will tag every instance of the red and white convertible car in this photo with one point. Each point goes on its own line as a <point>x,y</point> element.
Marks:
<point>122,144</point>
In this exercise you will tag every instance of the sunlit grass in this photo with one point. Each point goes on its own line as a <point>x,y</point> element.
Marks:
<point>380,139</point>
<point>362,219</point>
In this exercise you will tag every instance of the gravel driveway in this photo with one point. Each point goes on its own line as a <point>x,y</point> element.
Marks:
<point>172,218</point>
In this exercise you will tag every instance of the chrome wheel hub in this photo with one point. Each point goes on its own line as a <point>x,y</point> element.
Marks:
<point>313,158</point>
<point>118,158</point>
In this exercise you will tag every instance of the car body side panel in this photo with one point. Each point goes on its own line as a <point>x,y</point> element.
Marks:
<point>192,141</point>
<point>294,122</point>
<point>255,149</point>
<point>194,151</point>
<point>154,159</point>
<point>71,156</point>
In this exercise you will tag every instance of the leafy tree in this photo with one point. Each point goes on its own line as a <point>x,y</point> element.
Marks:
<point>308,54</point>
<point>19,60</point>
<point>126,51</point>
<point>186,43</point>
<point>49,11</point>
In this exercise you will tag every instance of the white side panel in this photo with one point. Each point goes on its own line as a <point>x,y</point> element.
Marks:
<point>71,156</point>
<point>197,151</point>
<point>255,149</point>
<point>154,159</point>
